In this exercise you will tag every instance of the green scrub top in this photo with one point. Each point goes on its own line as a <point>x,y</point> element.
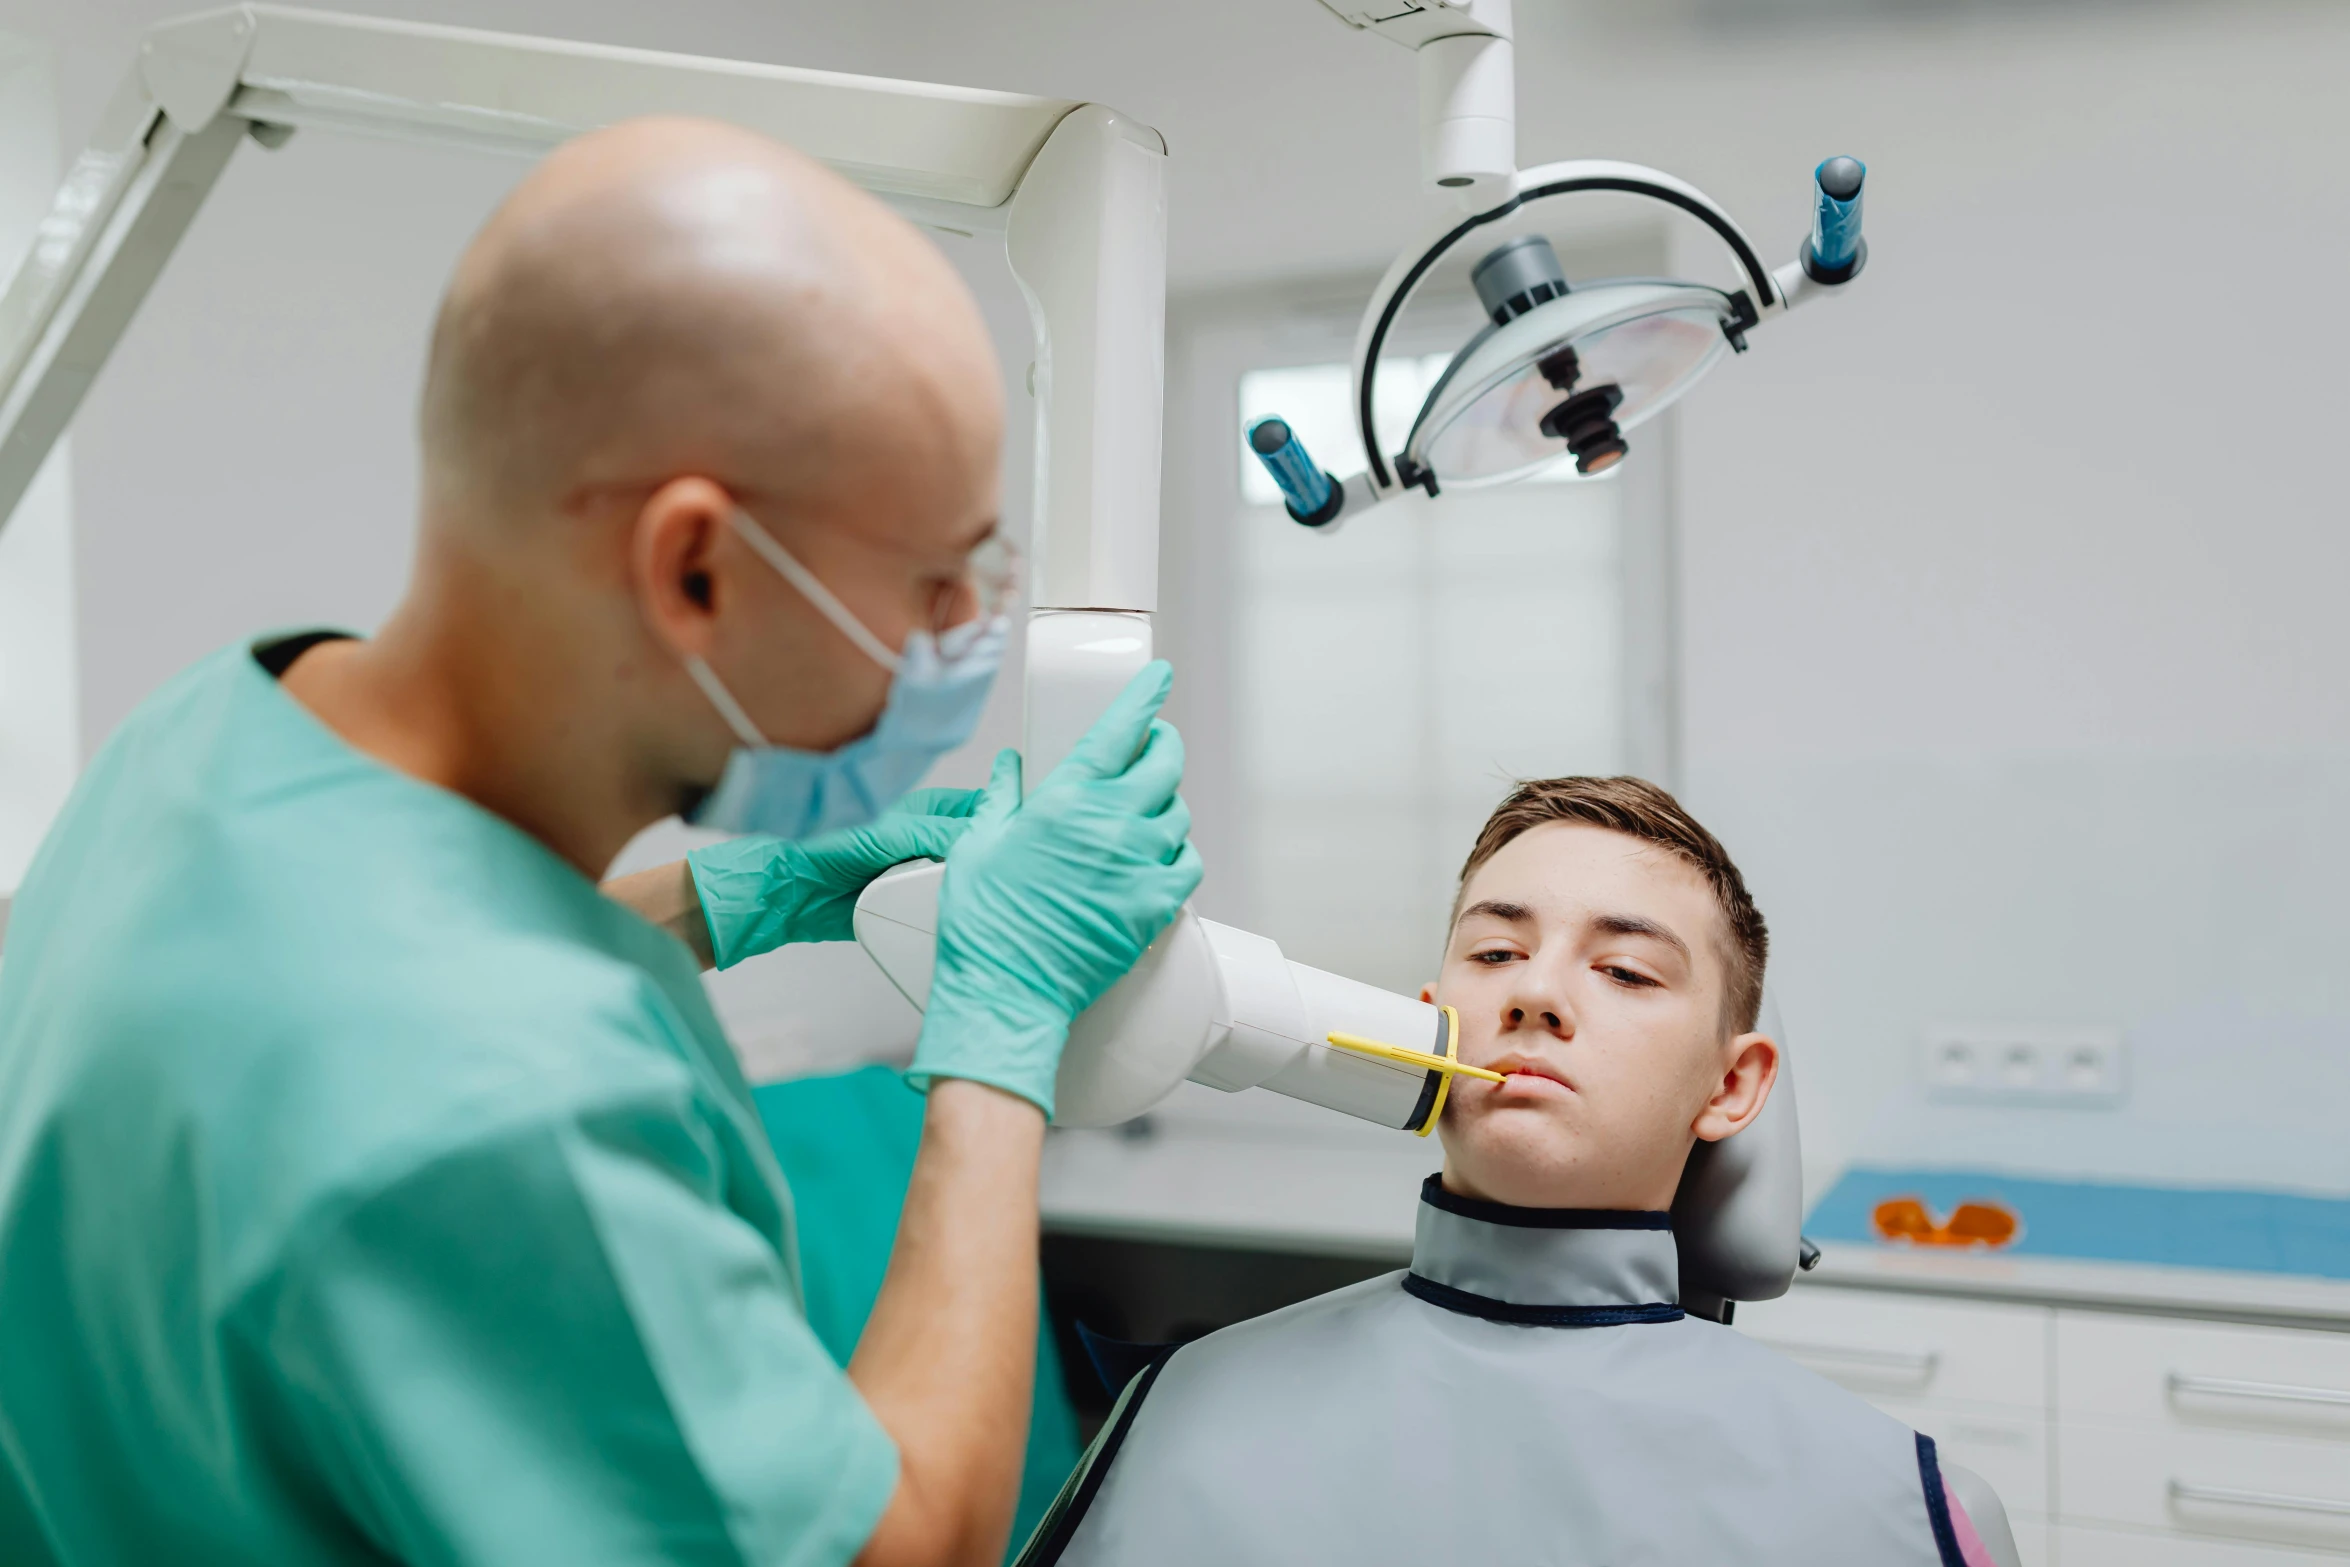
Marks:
<point>847,1143</point>
<point>370,1186</point>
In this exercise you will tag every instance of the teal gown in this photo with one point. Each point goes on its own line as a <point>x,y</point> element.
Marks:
<point>847,1144</point>
<point>374,1189</point>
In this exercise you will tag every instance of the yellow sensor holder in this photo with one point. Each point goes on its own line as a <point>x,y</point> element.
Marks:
<point>1447,1066</point>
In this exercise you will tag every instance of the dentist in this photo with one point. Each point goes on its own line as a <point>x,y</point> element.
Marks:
<point>375,1188</point>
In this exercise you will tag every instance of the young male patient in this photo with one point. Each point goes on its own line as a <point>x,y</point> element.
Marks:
<point>1529,1391</point>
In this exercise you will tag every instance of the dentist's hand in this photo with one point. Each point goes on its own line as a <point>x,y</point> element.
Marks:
<point>1048,901</point>
<point>760,893</point>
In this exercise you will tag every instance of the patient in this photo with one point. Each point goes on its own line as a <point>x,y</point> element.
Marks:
<point>1529,1391</point>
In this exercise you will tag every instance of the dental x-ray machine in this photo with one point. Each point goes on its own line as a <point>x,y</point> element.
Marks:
<point>1077,193</point>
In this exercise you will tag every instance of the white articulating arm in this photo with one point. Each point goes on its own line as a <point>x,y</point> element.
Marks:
<point>1087,238</point>
<point>1091,179</point>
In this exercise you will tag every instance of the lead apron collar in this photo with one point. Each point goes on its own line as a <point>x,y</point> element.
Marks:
<point>1550,1267</point>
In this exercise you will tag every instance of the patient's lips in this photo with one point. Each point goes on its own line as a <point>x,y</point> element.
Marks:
<point>1528,1076</point>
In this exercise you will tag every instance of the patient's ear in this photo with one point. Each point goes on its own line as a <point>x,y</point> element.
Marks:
<point>1738,1098</point>
<point>1428,993</point>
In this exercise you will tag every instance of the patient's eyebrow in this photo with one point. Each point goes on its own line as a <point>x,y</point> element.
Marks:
<point>1634,925</point>
<point>1515,913</point>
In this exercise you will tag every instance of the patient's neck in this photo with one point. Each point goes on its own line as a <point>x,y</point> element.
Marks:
<point>1647,1190</point>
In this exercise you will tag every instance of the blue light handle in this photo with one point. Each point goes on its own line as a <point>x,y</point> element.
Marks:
<point>1313,497</point>
<point>1836,251</point>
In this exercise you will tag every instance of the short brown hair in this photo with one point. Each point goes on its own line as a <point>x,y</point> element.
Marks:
<point>1639,809</point>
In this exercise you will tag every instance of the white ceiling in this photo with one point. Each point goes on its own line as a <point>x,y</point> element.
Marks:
<point>1293,139</point>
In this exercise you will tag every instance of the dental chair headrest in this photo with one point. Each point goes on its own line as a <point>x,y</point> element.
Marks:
<point>1738,1216</point>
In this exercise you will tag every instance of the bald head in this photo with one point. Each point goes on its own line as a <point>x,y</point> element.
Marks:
<point>668,297</point>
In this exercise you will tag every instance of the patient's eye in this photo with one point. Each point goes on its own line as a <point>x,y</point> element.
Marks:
<point>1493,958</point>
<point>1630,978</point>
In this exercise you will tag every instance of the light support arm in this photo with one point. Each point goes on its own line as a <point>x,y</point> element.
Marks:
<point>1468,86</point>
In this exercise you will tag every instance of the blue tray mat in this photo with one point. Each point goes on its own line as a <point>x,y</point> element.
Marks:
<point>2179,1227</point>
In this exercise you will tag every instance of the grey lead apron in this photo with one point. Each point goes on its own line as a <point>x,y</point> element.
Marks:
<point>1529,1392</point>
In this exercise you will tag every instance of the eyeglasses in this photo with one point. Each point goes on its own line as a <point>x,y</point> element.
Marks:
<point>1908,1220</point>
<point>974,597</point>
<point>988,586</point>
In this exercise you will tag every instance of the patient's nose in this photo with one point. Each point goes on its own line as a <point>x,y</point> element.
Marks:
<point>1538,1005</point>
<point>1537,998</point>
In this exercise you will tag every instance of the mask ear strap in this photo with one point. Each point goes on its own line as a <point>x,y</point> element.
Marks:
<point>728,708</point>
<point>815,592</point>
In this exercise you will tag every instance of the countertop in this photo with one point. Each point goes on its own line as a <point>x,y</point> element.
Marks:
<point>1258,1172</point>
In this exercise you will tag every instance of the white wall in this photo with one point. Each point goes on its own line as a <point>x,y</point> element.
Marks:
<point>2016,672</point>
<point>2011,651</point>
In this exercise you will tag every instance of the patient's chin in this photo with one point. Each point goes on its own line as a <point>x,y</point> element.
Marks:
<point>1513,1149</point>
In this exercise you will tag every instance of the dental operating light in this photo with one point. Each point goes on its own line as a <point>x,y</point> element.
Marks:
<point>1560,371</point>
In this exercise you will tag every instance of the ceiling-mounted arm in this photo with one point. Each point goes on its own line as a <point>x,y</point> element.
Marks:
<point>203,82</point>
<point>1468,87</point>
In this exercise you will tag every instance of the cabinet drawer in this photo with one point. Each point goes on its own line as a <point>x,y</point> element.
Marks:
<point>1886,1347</point>
<point>2189,1376</point>
<point>2084,1547</point>
<point>2010,1451</point>
<point>2222,1484</point>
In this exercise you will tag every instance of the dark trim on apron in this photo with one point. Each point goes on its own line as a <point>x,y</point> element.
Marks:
<point>1062,1524</point>
<point>1119,1361</point>
<point>1432,1193</point>
<point>1938,1503</point>
<point>1473,1305</point>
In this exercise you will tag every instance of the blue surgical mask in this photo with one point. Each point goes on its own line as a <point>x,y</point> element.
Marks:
<point>938,685</point>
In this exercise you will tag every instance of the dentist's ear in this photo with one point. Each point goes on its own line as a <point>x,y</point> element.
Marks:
<point>1739,1097</point>
<point>674,547</point>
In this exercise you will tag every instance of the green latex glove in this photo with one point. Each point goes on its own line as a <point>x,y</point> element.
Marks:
<point>761,893</point>
<point>1048,901</point>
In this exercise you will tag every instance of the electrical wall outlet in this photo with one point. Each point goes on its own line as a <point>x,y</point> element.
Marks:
<point>1999,1064</point>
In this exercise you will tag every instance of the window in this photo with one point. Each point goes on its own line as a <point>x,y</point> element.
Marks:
<point>39,746</point>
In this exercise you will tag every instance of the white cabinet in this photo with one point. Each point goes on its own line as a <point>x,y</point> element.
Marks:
<point>2212,1430</point>
<point>1973,1377</point>
<point>2113,1438</point>
<point>1911,1347</point>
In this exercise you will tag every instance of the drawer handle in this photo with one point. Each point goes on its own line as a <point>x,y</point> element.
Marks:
<point>1908,1366</point>
<point>2271,1392</point>
<point>2271,1501</point>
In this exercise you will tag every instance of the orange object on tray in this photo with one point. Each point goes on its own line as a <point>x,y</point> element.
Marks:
<point>1974,1223</point>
